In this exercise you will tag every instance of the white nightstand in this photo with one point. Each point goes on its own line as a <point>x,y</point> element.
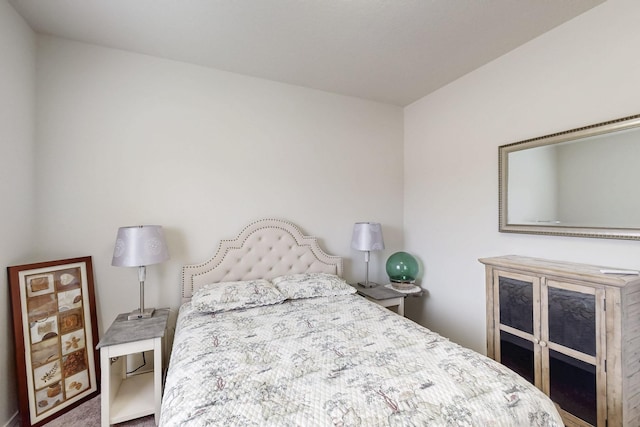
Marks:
<point>383,296</point>
<point>125,397</point>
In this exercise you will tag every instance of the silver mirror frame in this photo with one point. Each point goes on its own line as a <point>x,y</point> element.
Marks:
<point>556,138</point>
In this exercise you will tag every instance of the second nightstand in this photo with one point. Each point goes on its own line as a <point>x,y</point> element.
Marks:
<point>125,397</point>
<point>383,296</point>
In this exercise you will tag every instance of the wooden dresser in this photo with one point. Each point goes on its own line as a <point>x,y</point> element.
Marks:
<point>571,330</point>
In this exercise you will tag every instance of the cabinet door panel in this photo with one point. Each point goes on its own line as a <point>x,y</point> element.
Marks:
<point>516,303</point>
<point>572,319</point>
<point>573,386</point>
<point>572,324</point>
<point>517,354</point>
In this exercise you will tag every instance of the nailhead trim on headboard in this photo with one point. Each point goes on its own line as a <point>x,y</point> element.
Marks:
<point>264,249</point>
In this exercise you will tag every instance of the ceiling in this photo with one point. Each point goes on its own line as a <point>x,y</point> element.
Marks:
<point>392,51</point>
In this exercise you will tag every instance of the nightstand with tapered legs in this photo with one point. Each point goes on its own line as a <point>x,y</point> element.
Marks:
<point>126,396</point>
<point>383,296</point>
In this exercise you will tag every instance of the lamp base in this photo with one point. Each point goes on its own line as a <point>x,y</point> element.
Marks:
<point>136,314</point>
<point>368,284</point>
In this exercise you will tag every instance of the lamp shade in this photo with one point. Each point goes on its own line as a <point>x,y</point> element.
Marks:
<point>367,236</point>
<point>140,245</point>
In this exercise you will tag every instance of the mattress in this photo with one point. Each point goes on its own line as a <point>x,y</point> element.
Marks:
<point>341,361</point>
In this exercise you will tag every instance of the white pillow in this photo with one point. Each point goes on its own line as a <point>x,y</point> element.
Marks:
<point>226,296</point>
<point>309,285</point>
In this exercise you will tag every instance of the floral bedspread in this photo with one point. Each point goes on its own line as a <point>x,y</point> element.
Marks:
<point>340,361</point>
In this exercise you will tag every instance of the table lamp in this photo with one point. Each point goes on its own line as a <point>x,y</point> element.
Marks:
<point>367,237</point>
<point>139,246</point>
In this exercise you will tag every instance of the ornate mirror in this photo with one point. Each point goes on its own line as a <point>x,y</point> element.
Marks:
<point>581,182</point>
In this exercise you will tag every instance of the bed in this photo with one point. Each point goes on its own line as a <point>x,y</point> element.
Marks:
<point>269,335</point>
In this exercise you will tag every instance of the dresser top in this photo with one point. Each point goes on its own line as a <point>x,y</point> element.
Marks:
<point>565,269</point>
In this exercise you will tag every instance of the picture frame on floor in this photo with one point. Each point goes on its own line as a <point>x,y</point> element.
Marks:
<point>55,332</point>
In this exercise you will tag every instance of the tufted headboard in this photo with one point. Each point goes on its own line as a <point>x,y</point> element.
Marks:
<point>263,250</point>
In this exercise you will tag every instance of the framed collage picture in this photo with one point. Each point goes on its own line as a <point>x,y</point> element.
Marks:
<point>55,329</point>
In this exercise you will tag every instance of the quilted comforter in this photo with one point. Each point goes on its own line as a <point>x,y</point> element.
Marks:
<point>341,361</point>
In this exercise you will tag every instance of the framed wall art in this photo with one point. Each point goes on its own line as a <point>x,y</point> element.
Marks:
<point>55,329</point>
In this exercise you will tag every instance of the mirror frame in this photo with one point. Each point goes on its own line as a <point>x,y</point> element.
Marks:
<point>556,138</point>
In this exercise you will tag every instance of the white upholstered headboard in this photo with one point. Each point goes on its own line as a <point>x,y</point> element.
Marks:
<point>263,250</point>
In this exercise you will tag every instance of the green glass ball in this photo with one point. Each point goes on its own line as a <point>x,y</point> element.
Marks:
<point>402,267</point>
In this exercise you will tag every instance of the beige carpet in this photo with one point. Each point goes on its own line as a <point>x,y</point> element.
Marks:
<point>88,415</point>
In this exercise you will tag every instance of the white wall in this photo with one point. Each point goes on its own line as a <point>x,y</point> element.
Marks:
<point>17,100</point>
<point>583,72</point>
<point>125,139</point>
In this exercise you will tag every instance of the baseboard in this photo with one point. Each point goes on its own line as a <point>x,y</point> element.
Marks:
<point>14,421</point>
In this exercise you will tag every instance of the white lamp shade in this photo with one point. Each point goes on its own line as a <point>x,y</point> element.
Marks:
<point>367,236</point>
<point>140,245</point>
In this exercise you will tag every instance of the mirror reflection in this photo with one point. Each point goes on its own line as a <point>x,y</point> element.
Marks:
<point>580,182</point>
